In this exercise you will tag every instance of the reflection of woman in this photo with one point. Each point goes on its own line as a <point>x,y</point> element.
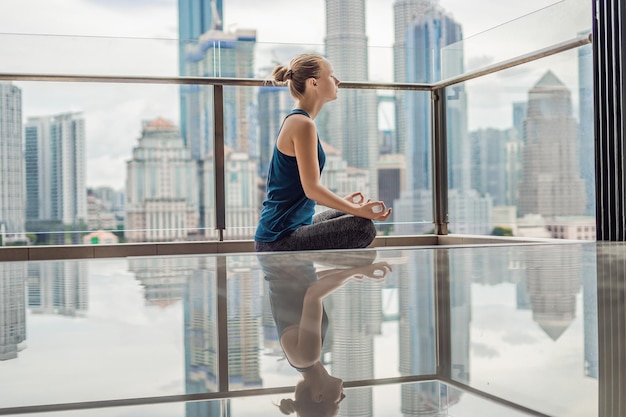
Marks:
<point>296,294</point>
<point>293,182</point>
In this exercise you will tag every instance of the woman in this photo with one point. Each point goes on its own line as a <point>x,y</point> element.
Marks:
<point>293,182</point>
<point>297,290</point>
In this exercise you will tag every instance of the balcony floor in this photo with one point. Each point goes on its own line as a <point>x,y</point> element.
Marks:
<point>496,330</point>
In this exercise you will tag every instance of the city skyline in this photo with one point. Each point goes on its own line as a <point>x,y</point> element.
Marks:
<point>350,125</point>
<point>108,120</point>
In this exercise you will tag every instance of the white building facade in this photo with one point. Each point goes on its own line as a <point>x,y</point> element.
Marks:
<point>161,187</point>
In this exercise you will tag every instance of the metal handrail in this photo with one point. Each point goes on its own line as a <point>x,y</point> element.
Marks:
<point>250,82</point>
<point>522,59</point>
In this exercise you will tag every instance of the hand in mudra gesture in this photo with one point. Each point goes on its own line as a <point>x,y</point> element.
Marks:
<point>374,210</point>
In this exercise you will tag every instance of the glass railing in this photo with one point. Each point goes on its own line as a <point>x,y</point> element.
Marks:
<point>98,169</point>
<point>512,329</point>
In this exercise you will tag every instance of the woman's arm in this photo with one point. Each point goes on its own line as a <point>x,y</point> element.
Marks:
<point>305,148</point>
<point>303,345</point>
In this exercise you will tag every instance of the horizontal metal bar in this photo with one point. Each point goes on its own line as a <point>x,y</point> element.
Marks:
<point>247,82</point>
<point>522,59</point>
<point>208,396</point>
<point>541,53</point>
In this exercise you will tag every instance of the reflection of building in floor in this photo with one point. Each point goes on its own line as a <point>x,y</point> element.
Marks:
<point>552,283</point>
<point>12,309</point>
<point>58,287</point>
<point>244,324</point>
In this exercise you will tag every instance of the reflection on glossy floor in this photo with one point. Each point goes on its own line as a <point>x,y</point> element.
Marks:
<point>459,331</point>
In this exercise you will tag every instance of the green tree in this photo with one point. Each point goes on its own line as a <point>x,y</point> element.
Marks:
<point>502,231</point>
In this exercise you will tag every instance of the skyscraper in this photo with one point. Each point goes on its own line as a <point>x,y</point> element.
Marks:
<point>404,13</point>
<point>426,60</point>
<point>161,186</point>
<point>353,117</point>
<point>222,54</point>
<point>195,17</point>
<point>55,168</point>
<point>551,184</point>
<point>12,186</point>
<point>426,36</point>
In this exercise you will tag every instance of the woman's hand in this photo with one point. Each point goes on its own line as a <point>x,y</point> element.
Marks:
<point>356,198</point>
<point>378,270</point>
<point>373,210</point>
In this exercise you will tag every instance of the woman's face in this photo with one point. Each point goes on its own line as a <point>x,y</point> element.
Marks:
<point>330,392</point>
<point>327,83</point>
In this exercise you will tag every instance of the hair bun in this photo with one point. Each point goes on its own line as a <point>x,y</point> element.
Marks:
<point>280,74</point>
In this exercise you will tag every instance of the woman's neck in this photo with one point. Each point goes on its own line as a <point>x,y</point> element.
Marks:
<point>316,372</point>
<point>310,106</point>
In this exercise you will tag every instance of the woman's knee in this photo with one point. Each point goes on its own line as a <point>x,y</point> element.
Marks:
<point>367,230</point>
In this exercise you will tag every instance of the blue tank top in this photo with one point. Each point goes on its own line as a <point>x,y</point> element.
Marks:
<point>286,207</point>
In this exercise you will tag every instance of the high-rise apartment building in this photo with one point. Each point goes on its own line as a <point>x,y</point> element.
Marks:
<point>551,184</point>
<point>12,186</point>
<point>55,169</point>
<point>353,118</point>
<point>161,186</point>
<point>195,17</point>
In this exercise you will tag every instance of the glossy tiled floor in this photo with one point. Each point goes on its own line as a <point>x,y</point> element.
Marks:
<point>458,331</point>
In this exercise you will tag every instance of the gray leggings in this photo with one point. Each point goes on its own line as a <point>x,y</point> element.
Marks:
<point>331,229</point>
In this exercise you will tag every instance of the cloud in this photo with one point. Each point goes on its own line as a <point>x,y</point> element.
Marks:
<point>484,351</point>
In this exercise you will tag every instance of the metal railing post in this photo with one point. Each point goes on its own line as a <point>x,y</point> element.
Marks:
<point>443,322</point>
<point>440,161</point>
<point>218,159</point>
<point>222,324</point>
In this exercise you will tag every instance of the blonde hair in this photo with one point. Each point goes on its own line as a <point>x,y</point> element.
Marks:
<point>301,68</point>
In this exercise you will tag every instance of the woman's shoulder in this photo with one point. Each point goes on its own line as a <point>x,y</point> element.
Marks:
<point>299,125</point>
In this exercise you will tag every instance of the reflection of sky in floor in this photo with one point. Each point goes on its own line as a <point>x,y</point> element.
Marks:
<point>130,340</point>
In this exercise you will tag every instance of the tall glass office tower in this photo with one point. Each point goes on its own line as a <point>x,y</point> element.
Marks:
<point>353,117</point>
<point>551,183</point>
<point>195,17</point>
<point>427,34</point>
<point>404,13</point>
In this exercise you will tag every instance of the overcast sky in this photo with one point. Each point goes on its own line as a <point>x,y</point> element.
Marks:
<point>138,37</point>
